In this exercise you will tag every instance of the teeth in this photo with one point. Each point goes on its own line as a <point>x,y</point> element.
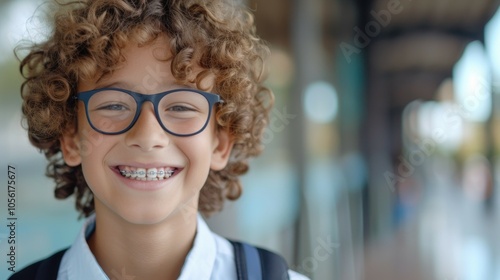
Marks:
<point>143,174</point>
<point>160,173</point>
<point>151,172</point>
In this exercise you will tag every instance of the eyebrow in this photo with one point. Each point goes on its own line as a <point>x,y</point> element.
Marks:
<point>125,85</point>
<point>117,84</point>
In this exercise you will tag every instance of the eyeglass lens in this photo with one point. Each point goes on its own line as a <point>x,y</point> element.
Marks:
<point>181,112</point>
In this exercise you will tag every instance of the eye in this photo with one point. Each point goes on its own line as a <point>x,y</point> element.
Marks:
<point>113,107</point>
<point>180,108</point>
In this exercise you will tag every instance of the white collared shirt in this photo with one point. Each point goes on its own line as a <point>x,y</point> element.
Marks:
<point>211,257</point>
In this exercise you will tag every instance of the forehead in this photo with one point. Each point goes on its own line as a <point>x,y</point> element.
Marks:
<point>146,69</point>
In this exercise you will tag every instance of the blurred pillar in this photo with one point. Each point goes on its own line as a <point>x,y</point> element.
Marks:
<point>304,40</point>
<point>319,221</point>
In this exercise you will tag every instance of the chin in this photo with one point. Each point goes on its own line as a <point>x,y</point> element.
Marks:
<point>145,215</point>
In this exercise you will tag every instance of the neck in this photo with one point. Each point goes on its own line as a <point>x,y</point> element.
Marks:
<point>142,251</point>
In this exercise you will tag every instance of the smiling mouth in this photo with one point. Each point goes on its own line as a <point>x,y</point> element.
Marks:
<point>147,174</point>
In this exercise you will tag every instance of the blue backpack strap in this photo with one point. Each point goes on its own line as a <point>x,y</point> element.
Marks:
<point>253,263</point>
<point>46,269</point>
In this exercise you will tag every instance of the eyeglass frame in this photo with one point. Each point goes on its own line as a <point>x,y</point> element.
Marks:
<point>140,98</point>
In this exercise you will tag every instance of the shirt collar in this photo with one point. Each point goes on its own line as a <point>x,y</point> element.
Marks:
<point>79,263</point>
<point>201,258</point>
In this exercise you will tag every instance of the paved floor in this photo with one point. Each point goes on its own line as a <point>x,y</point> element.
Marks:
<point>452,237</point>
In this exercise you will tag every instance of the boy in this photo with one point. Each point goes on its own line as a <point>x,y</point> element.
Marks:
<point>147,112</point>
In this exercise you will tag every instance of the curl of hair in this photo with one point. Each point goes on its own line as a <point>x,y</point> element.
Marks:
<point>87,40</point>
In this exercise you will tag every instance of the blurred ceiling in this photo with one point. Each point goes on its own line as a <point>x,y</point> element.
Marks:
<point>412,44</point>
<point>460,15</point>
<point>421,41</point>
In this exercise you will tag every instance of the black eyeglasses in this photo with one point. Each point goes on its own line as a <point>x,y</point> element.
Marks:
<point>180,112</point>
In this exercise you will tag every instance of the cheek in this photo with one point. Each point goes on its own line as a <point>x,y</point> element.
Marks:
<point>200,146</point>
<point>198,152</point>
<point>90,140</point>
<point>90,143</point>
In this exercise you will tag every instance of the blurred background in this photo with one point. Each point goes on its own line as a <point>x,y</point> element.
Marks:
<point>382,155</point>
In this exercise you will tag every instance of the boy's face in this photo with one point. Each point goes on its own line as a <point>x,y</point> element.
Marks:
<point>145,146</point>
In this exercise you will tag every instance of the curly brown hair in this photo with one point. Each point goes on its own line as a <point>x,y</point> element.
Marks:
<point>87,40</point>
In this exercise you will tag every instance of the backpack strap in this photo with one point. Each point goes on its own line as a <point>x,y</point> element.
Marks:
<point>46,269</point>
<point>253,263</point>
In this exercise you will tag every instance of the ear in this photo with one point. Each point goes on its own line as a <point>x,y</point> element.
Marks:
<point>223,145</point>
<point>70,148</point>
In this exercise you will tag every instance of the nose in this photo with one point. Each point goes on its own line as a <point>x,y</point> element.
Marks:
<point>147,134</point>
